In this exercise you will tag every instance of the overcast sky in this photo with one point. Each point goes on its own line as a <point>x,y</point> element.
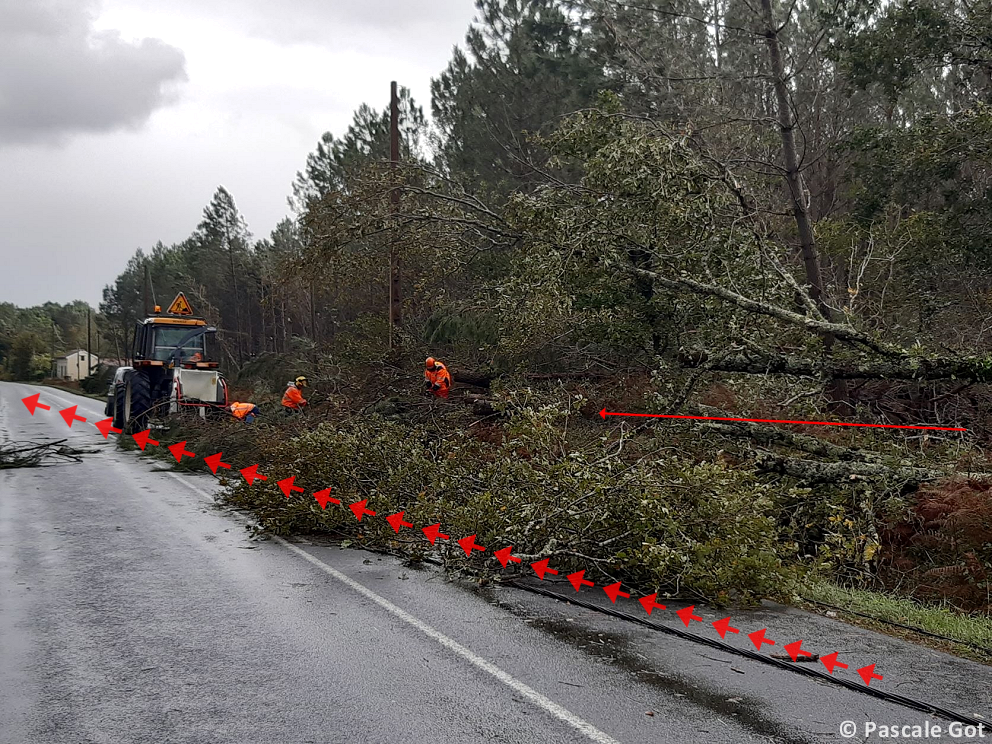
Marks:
<point>119,118</point>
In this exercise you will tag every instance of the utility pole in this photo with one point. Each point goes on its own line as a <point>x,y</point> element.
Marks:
<point>395,300</point>
<point>89,354</point>
<point>54,363</point>
<point>148,289</point>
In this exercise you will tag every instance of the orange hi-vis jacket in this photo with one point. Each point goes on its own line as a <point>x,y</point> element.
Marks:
<point>240,410</point>
<point>293,398</point>
<point>440,377</point>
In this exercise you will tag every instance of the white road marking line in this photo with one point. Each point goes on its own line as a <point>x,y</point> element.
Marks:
<point>546,704</point>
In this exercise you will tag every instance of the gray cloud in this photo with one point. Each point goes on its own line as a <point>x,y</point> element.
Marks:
<point>58,76</point>
<point>374,25</point>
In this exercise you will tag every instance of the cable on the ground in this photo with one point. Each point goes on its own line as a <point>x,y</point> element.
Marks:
<point>890,697</point>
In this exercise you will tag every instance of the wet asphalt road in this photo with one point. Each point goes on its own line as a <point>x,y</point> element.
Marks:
<point>133,609</point>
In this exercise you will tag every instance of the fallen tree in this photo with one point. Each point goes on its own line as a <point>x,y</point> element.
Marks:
<point>970,368</point>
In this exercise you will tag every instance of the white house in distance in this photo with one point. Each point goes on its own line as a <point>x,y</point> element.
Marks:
<point>76,366</point>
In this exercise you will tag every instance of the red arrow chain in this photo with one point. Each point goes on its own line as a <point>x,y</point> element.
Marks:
<point>468,544</point>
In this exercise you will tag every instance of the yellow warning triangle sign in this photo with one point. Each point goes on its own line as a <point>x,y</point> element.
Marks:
<point>180,306</point>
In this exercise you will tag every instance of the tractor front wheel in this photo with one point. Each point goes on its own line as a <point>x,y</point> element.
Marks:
<point>137,402</point>
<point>118,407</point>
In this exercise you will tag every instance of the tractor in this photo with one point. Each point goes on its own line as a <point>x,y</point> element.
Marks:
<point>171,370</point>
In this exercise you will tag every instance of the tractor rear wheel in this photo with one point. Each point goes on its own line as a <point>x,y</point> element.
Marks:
<point>118,407</point>
<point>137,402</point>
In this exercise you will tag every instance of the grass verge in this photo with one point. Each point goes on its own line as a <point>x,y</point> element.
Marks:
<point>974,629</point>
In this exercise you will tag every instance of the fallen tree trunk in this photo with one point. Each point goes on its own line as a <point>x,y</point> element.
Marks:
<point>479,379</point>
<point>971,368</point>
<point>771,435</point>
<point>475,379</point>
<point>811,471</point>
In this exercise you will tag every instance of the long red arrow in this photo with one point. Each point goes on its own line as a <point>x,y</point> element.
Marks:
<point>604,413</point>
<point>686,614</point>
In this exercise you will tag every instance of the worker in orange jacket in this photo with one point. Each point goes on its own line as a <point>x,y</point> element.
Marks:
<point>244,411</point>
<point>437,377</point>
<point>292,399</point>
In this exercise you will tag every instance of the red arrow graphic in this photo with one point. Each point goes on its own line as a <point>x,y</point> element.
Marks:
<point>504,556</point>
<point>396,521</point>
<point>723,626</point>
<point>649,602</point>
<point>32,403</point>
<point>686,614</point>
<point>830,661</point>
<point>468,545</point>
<point>613,591</point>
<point>69,414</point>
<point>577,581</point>
<point>178,450</point>
<point>213,462</point>
<point>541,568</point>
<point>433,532</point>
<point>287,487</point>
<point>143,438</point>
<point>359,509</point>
<point>323,497</point>
<point>758,638</point>
<point>795,650</point>
<point>868,673</point>
<point>251,474</point>
<point>106,427</point>
<point>604,413</point>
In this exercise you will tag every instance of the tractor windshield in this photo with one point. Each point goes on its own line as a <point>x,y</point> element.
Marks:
<point>167,338</point>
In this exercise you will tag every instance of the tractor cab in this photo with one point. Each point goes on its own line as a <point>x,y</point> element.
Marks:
<point>174,342</point>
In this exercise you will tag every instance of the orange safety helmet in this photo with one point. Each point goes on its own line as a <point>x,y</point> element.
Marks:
<point>430,362</point>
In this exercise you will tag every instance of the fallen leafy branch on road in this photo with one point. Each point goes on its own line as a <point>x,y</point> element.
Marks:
<point>35,454</point>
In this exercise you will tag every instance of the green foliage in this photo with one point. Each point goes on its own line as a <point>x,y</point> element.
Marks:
<point>98,381</point>
<point>896,45</point>
<point>24,357</point>
<point>525,65</point>
<point>663,522</point>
